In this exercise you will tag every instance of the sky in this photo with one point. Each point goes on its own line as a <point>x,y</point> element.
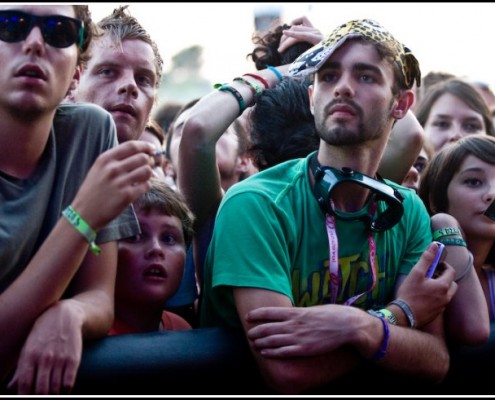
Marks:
<point>449,37</point>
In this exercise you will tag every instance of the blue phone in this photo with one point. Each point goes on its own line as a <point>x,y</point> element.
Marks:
<point>441,254</point>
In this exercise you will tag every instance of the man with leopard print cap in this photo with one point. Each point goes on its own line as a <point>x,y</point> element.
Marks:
<point>314,249</point>
<point>311,60</point>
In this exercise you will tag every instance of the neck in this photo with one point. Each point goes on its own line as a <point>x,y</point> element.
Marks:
<point>22,144</point>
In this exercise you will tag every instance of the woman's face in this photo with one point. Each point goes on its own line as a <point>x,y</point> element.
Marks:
<point>450,119</point>
<point>470,193</point>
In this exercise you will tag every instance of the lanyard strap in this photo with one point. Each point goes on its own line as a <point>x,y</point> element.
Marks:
<point>333,267</point>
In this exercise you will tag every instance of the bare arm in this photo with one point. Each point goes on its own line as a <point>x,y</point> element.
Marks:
<point>299,349</point>
<point>402,148</point>
<point>118,176</point>
<point>464,325</point>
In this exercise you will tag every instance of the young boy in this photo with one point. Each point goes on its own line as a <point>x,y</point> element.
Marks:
<point>151,264</point>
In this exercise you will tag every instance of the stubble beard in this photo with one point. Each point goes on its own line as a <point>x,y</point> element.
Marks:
<point>340,134</point>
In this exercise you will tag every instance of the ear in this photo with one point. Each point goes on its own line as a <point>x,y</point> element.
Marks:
<point>310,92</point>
<point>243,164</point>
<point>73,84</point>
<point>404,103</point>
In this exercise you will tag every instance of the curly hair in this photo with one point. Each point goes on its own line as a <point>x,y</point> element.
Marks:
<point>266,50</point>
<point>282,126</point>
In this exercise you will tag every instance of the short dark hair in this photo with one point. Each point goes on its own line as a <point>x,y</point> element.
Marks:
<point>168,201</point>
<point>282,125</point>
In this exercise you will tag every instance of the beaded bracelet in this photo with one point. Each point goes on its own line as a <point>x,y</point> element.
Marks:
<point>449,231</point>
<point>260,78</point>
<point>406,310</point>
<point>468,267</point>
<point>237,95</point>
<point>256,90</point>
<point>82,227</point>
<point>275,71</point>
<point>386,335</point>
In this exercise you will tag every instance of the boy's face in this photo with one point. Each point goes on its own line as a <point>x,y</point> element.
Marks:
<point>151,265</point>
<point>35,76</point>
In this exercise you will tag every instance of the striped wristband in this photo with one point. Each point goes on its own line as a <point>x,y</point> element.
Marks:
<point>406,310</point>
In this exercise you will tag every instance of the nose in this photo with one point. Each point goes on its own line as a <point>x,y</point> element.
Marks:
<point>490,193</point>
<point>155,248</point>
<point>455,133</point>
<point>128,85</point>
<point>343,87</point>
<point>34,42</point>
<point>412,179</point>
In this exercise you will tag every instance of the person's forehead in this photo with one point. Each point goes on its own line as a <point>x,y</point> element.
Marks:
<point>53,9</point>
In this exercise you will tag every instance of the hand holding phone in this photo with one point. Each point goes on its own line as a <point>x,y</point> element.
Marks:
<point>441,254</point>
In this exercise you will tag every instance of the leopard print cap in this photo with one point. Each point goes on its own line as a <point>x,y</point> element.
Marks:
<point>311,60</point>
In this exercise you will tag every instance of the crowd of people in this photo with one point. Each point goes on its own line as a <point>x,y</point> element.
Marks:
<point>301,202</point>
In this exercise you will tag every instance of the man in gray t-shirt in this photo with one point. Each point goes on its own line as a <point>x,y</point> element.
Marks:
<point>65,195</point>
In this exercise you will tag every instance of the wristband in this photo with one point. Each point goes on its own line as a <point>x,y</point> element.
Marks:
<point>82,227</point>
<point>466,270</point>
<point>388,315</point>
<point>406,310</point>
<point>449,231</point>
<point>237,95</point>
<point>260,78</point>
<point>275,71</point>
<point>452,241</point>
<point>386,335</point>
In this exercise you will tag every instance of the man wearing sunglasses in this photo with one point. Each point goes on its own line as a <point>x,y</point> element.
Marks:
<point>65,190</point>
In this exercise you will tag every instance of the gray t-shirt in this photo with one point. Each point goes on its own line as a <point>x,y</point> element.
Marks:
<point>30,208</point>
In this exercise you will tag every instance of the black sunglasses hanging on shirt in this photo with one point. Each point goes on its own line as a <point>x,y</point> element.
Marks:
<point>328,178</point>
<point>57,30</point>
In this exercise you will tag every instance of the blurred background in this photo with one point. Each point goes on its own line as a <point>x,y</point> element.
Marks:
<point>207,43</point>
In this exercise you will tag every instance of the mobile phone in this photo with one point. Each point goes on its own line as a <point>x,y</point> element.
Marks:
<point>441,254</point>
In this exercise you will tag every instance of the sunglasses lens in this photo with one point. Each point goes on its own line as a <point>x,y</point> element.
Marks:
<point>14,26</point>
<point>58,31</point>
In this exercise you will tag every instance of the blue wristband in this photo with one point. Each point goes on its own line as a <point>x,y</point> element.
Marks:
<point>383,349</point>
<point>275,71</point>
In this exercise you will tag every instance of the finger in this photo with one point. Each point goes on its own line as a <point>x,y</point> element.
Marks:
<point>301,21</point>
<point>268,314</point>
<point>427,258</point>
<point>24,377</point>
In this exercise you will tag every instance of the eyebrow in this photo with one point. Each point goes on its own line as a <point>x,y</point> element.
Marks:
<point>360,66</point>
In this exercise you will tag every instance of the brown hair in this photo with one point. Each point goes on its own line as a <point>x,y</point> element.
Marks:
<point>464,92</point>
<point>121,25</point>
<point>445,164</point>
<point>168,201</point>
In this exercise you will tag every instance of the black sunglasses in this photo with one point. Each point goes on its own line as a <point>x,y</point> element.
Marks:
<point>57,30</point>
<point>327,178</point>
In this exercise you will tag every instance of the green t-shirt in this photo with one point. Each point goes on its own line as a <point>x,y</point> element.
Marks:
<point>270,233</point>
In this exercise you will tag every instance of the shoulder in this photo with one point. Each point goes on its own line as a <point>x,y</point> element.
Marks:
<point>174,322</point>
<point>85,120</point>
<point>274,180</point>
<point>82,110</point>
